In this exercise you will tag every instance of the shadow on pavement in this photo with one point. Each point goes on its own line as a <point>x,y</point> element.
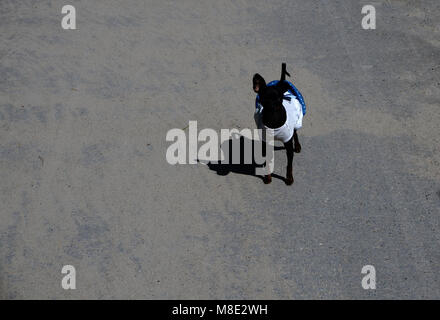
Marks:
<point>241,166</point>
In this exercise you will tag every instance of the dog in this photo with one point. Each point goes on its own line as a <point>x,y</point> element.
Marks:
<point>280,108</point>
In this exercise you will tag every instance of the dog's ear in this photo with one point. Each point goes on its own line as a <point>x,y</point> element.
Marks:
<point>258,83</point>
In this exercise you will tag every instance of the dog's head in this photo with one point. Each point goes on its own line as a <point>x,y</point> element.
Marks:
<point>271,96</point>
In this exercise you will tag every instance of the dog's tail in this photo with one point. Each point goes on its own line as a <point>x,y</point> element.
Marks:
<point>284,72</point>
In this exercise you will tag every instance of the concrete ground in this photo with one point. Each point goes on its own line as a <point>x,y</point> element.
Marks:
<point>84,180</point>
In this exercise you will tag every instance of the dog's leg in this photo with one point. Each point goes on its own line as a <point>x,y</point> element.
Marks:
<point>296,140</point>
<point>289,150</point>
<point>267,178</point>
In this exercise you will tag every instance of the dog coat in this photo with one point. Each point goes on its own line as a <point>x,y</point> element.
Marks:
<point>294,113</point>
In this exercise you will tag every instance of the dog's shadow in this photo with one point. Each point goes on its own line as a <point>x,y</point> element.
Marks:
<point>241,166</point>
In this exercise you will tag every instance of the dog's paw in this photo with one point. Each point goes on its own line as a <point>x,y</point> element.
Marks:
<point>297,148</point>
<point>267,179</point>
<point>289,179</point>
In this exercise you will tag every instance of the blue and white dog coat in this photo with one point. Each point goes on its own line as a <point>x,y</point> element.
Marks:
<point>295,110</point>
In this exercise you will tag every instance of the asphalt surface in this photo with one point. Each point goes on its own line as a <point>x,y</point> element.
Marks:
<point>84,180</point>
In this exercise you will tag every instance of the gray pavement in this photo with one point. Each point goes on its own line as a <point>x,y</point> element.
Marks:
<point>83,175</point>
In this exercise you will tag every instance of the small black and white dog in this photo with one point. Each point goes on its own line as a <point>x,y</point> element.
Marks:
<point>280,108</point>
